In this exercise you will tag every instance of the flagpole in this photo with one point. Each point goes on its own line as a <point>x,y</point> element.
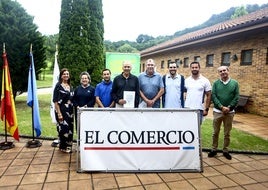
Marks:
<point>6,144</point>
<point>34,142</point>
<point>31,51</point>
<point>4,70</point>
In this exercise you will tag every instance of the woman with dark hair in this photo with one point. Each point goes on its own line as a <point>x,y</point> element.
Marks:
<point>62,97</point>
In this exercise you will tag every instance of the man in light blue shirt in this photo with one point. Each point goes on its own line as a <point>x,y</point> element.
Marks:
<point>174,88</point>
<point>151,86</point>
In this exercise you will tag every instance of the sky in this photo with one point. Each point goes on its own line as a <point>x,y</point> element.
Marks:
<point>127,19</point>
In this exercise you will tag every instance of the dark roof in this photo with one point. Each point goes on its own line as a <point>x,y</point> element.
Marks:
<point>253,19</point>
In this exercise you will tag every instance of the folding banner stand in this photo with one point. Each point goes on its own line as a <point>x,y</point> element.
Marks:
<point>138,140</point>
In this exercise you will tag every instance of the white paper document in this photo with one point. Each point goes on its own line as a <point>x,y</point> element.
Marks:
<point>129,96</point>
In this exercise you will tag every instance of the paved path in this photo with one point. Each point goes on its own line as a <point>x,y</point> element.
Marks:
<point>46,168</point>
<point>250,123</point>
<point>40,91</point>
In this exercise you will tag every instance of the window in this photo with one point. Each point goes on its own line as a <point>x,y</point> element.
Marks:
<point>226,57</point>
<point>197,58</point>
<point>186,62</point>
<point>246,57</point>
<point>162,64</point>
<point>209,61</point>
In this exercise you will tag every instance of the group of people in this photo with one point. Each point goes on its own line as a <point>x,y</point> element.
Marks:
<point>67,101</point>
<point>149,90</point>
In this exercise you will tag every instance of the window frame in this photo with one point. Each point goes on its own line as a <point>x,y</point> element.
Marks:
<point>197,58</point>
<point>244,55</point>
<point>186,62</point>
<point>210,60</point>
<point>223,55</point>
<point>162,64</point>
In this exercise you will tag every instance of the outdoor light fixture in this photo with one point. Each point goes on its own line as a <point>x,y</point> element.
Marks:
<point>234,57</point>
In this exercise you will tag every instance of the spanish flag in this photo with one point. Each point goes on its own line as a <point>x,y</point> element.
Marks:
<point>8,111</point>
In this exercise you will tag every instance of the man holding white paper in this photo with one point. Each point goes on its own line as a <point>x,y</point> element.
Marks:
<point>125,90</point>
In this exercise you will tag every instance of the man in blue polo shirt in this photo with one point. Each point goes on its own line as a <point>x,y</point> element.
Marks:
<point>151,86</point>
<point>103,90</point>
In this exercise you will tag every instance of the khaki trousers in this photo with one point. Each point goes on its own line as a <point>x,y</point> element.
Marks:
<point>227,120</point>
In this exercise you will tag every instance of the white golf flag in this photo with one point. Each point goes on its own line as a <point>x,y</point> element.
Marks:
<point>56,73</point>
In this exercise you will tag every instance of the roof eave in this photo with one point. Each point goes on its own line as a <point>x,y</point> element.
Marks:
<point>242,28</point>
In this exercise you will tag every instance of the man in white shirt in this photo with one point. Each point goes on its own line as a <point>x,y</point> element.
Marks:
<point>197,89</point>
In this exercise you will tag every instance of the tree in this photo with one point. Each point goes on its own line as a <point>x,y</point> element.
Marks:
<point>142,38</point>
<point>50,44</point>
<point>18,31</point>
<point>81,38</point>
<point>72,39</point>
<point>239,11</point>
<point>96,63</point>
<point>126,48</point>
<point>109,46</point>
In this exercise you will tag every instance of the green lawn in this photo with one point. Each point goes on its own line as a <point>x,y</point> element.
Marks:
<point>25,118</point>
<point>240,141</point>
<point>45,80</point>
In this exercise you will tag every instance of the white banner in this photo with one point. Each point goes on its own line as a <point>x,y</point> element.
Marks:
<point>139,140</point>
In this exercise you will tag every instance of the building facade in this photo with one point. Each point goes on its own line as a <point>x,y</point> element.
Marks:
<point>241,44</point>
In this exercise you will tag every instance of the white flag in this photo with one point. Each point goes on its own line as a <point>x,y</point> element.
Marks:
<point>56,73</point>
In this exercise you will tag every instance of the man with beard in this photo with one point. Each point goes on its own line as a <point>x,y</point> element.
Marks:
<point>197,88</point>
<point>151,86</point>
<point>174,88</point>
<point>103,90</point>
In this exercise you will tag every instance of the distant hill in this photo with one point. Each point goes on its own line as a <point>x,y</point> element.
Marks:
<point>145,41</point>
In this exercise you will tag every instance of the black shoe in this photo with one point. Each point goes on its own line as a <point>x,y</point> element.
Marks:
<point>55,143</point>
<point>227,156</point>
<point>212,153</point>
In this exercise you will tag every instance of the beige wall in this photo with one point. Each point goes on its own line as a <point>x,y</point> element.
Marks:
<point>253,79</point>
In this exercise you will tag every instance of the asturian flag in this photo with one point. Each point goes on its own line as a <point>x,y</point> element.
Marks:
<point>56,73</point>
<point>32,99</point>
<point>8,110</point>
